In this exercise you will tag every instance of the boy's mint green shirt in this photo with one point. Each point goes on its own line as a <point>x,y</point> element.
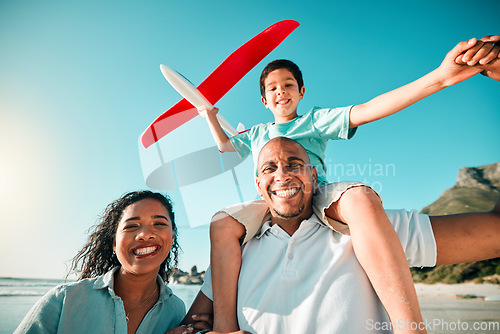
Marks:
<point>312,130</point>
<point>91,306</point>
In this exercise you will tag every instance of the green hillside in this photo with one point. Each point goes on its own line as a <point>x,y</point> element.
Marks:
<point>477,189</point>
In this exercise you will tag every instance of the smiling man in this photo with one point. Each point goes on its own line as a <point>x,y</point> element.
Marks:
<point>300,275</point>
<point>286,181</point>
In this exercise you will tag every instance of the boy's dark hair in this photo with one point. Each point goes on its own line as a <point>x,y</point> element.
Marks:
<point>277,64</point>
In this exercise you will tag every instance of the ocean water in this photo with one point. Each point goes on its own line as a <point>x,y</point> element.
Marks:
<point>18,295</point>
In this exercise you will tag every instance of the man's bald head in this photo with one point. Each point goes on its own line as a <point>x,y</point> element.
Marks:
<point>279,142</point>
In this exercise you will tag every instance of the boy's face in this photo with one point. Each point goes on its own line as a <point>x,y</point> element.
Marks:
<point>282,95</point>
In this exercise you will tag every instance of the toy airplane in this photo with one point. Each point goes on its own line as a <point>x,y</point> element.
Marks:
<point>177,152</point>
<point>193,95</point>
<point>221,80</point>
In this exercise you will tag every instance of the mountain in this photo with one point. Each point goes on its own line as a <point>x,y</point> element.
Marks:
<point>477,189</point>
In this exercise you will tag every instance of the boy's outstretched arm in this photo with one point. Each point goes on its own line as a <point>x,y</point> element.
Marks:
<point>447,74</point>
<point>220,137</point>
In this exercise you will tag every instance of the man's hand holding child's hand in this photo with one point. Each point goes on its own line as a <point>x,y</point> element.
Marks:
<point>483,55</point>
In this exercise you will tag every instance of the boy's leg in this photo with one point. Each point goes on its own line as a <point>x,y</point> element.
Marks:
<point>379,251</point>
<point>467,237</point>
<point>225,261</point>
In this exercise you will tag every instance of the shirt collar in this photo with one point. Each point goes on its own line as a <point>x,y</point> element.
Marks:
<point>107,281</point>
<point>267,225</point>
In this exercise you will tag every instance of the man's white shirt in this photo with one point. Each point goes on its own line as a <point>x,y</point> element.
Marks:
<point>311,282</point>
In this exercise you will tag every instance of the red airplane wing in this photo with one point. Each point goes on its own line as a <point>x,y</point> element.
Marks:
<point>221,80</point>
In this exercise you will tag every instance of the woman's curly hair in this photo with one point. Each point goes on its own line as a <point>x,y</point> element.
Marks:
<point>96,257</point>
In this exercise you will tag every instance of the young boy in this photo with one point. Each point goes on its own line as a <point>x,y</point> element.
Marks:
<point>375,242</point>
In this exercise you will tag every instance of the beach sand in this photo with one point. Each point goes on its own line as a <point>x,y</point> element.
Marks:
<point>443,312</point>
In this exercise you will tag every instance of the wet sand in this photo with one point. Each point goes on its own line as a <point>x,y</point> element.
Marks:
<point>445,313</point>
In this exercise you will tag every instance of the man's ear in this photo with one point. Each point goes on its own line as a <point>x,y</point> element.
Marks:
<point>315,178</point>
<point>263,99</point>
<point>257,184</point>
<point>302,92</point>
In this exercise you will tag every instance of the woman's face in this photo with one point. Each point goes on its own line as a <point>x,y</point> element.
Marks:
<point>143,237</point>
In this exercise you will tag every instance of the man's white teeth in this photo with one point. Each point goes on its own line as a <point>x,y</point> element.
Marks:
<point>286,192</point>
<point>145,250</point>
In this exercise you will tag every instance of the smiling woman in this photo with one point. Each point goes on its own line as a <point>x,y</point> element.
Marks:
<point>123,270</point>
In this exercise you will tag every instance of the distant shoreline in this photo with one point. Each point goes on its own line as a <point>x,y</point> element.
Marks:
<point>424,290</point>
<point>450,291</point>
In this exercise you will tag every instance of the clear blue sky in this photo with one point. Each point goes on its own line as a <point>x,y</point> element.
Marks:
<point>80,81</point>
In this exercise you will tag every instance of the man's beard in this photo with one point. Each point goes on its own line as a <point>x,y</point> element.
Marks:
<point>290,215</point>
